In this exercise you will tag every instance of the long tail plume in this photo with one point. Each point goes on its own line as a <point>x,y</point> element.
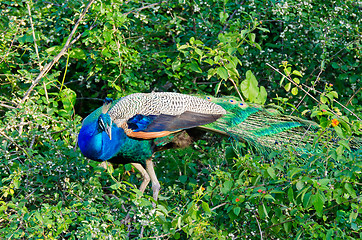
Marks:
<point>267,129</point>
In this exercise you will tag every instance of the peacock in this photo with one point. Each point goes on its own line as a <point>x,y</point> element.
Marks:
<point>131,129</point>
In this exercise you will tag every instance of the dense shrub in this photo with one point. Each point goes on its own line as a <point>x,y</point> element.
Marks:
<point>215,189</point>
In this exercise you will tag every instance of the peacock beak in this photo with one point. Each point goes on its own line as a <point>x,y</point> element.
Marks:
<point>108,130</point>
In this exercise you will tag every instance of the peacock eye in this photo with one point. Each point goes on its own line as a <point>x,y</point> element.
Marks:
<point>241,104</point>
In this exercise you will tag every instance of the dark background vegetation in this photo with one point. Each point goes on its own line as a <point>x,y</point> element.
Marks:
<point>270,52</point>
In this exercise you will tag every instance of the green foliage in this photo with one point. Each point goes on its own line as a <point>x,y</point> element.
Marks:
<point>213,189</point>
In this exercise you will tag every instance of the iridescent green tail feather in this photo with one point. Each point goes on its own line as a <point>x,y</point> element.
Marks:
<point>266,129</point>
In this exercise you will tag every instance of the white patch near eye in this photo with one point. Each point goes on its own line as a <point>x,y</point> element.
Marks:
<point>101,124</point>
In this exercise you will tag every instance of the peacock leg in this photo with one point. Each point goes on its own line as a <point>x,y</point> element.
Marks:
<point>155,184</point>
<point>145,176</point>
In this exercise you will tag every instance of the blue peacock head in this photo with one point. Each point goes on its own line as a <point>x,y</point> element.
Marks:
<point>99,138</point>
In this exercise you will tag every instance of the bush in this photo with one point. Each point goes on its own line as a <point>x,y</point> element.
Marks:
<point>214,189</point>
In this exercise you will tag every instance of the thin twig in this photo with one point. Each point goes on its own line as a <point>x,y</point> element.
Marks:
<point>47,68</point>
<point>34,39</point>
<point>334,100</point>
<point>11,140</point>
<point>274,225</point>
<point>332,57</point>
<point>310,95</point>
<point>218,206</point>
<point>241,97</point>
<point>231,17</point>
<point>261,232</point>
<point>141,8</point>
<point>354,94</point>
<point>7,106</point>
<point>315,82</point>
<point>11,45</point>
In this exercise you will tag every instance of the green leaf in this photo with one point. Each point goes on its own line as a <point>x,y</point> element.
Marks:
<point>324,99</point>
<point>195,67</point>
<point>227,186</point>
<point>237,211</point>
<point>206,207</point>
<point>345,144</point>
<point>324,181</point>
<point>222,72</point>
<point>25,38</point>
<point>329,234</point>
<point>265,211</point>
<point>300,185</point>
<point>107,35</point>
<point>294,91</point>
<point>287,71</point>
<point>257,45</point>
<point>252,37</point>
<point>249,87</point>
<point>318,202</point>
<point>54,50</point>
<point>339,132</point>
<point>295,72</point>
<point>241,51</point>
<point>287,86</point>
<point>68,97</point>
<point>116,186</point>
<point>271,172</point>
<point>334,94</point>
<point>263,29</point>
<point>287,227</point>
<point>353,215</point>
<point>77,53</point>
<point>232,50</point>
<point>176,65</point>
<point>181,47</point>
<point>211,72</point>
<point>243,32</point>
<point>291,194</point>
<point>350,190</point>
<point>307,200</point>
<point>262,96</point>
<point>296,80</point>
<point>294,171</point>
<point>199,52</point>
<point>192,40</point>
<point>209,61</point>
<point>335,65</point>
<point>127,167</point>
<point>183,179</point>
<point>269,197</point>
<point>223,17</point>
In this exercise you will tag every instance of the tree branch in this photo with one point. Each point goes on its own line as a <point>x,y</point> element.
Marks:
<point>47,68</point>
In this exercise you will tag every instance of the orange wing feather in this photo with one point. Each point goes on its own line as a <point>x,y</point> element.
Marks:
<point>149,135</point>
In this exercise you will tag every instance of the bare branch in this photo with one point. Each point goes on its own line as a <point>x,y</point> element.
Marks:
<point>354,94</point>
<point>334,100</point>
<point>34,39</point>
<point>310,95</point>
<point>17,145</point>
<point>47,68</point>
<point>141,8</point>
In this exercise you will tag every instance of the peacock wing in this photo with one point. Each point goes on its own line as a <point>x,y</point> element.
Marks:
<point>154,115</point>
